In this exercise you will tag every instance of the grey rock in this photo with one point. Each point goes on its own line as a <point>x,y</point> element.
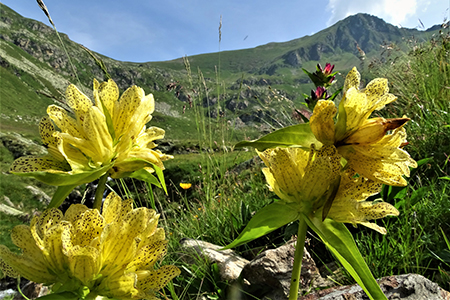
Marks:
<point>38,194</point>
<point>230,264</point>
<point>405,287</point>
<point>269,274</point>
<point>6,294</point>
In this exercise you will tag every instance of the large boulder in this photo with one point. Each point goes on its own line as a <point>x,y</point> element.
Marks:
<point>268,276</point>
<point>230,264</point>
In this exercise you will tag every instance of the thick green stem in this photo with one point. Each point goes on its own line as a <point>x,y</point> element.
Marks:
<point>99,192</point>
<point>295,278</point>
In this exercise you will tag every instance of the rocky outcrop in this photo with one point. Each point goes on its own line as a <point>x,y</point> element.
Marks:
<point>406,287</point>
<point>21,146</point>
<point>268,276</point>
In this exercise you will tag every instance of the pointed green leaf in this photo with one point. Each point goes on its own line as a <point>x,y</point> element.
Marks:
<point>146,176</point>
<point>335,93</point>
<point>297,135</point>
<point>61,193</point>
<point>139,164</point>
<point>266,220</point>
<point>341,243</point>
<point>159,173</point>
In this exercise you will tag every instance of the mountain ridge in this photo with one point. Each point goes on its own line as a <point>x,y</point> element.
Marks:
<point>35,66</point>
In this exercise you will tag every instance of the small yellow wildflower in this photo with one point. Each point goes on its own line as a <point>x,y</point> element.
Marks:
<point>362,141</point>
<point>185,186</point>
<point>105,133</point>
<point>112,253</point>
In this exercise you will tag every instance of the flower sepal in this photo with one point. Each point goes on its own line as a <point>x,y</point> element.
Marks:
<point>292,136</point>
<point>266,220</point>
<point>60,296</point>
<point>58,178</point>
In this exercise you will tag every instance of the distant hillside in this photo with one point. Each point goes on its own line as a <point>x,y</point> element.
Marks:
<point>257,87</point>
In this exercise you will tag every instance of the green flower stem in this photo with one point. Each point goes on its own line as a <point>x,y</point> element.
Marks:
<point>298,256</point>
<point>99,192</point>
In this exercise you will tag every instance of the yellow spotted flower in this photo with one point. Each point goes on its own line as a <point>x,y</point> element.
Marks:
<point>363,142</point>
<point>300,177</point>
<point>350,205</point>
<point>308,179</point>
<point>104,136</point>
<point>110,254</point>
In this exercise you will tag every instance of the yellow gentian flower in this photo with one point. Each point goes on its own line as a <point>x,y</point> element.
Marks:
<point>350,205</point>
<point>112,254</point>
<point>107,135</point>
<point>362,141</point>
<point>300,177</point>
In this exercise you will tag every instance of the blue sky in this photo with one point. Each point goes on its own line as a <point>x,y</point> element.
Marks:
<point>141,31</point>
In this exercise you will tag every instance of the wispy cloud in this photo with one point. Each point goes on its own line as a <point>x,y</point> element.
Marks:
<point>392,11</point>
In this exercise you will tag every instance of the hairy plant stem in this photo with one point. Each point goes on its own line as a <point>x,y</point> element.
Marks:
<point>298,256</point>
<point>99,192</point>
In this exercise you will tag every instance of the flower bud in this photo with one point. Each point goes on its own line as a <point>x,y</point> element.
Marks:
<point>373,130</point>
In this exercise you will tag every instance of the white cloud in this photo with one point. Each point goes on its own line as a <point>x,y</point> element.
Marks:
<point>396,12</point>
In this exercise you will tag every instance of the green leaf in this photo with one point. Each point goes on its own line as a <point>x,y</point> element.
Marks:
<point>389,193</point>
<point>341,243</point>
<point>61,193</point>
<point>146,176</point>
<point>60,296</point>
<point>297,135</point>
<point>419,194</point>
<point>335,94</point>
<point>67,178</point>
<point>266,220</point>
<point>139,164</point>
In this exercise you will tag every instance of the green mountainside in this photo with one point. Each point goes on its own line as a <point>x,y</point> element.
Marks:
<point>252,88</point>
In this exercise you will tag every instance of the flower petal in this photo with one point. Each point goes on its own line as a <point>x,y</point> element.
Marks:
<point>48,163</point>
<point>125,108</point>
<point>22,238</point>
<point>287,167</point>
<point>84,263</point>
<point>88,226</point>
<point>383,161</point>
<point>108,92</point>
<point>65,123</point>
<point>352,80</point>
<point>78,101</point>
<point>24,266</point>
<point>322,121</point>
<point>158,279</point>
<point>52,247</point>
<point>147,256</point>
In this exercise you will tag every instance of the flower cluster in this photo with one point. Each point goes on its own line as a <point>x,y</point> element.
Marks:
<point>350,161</point>
<point>107,135</point>
<point>110,254</point>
